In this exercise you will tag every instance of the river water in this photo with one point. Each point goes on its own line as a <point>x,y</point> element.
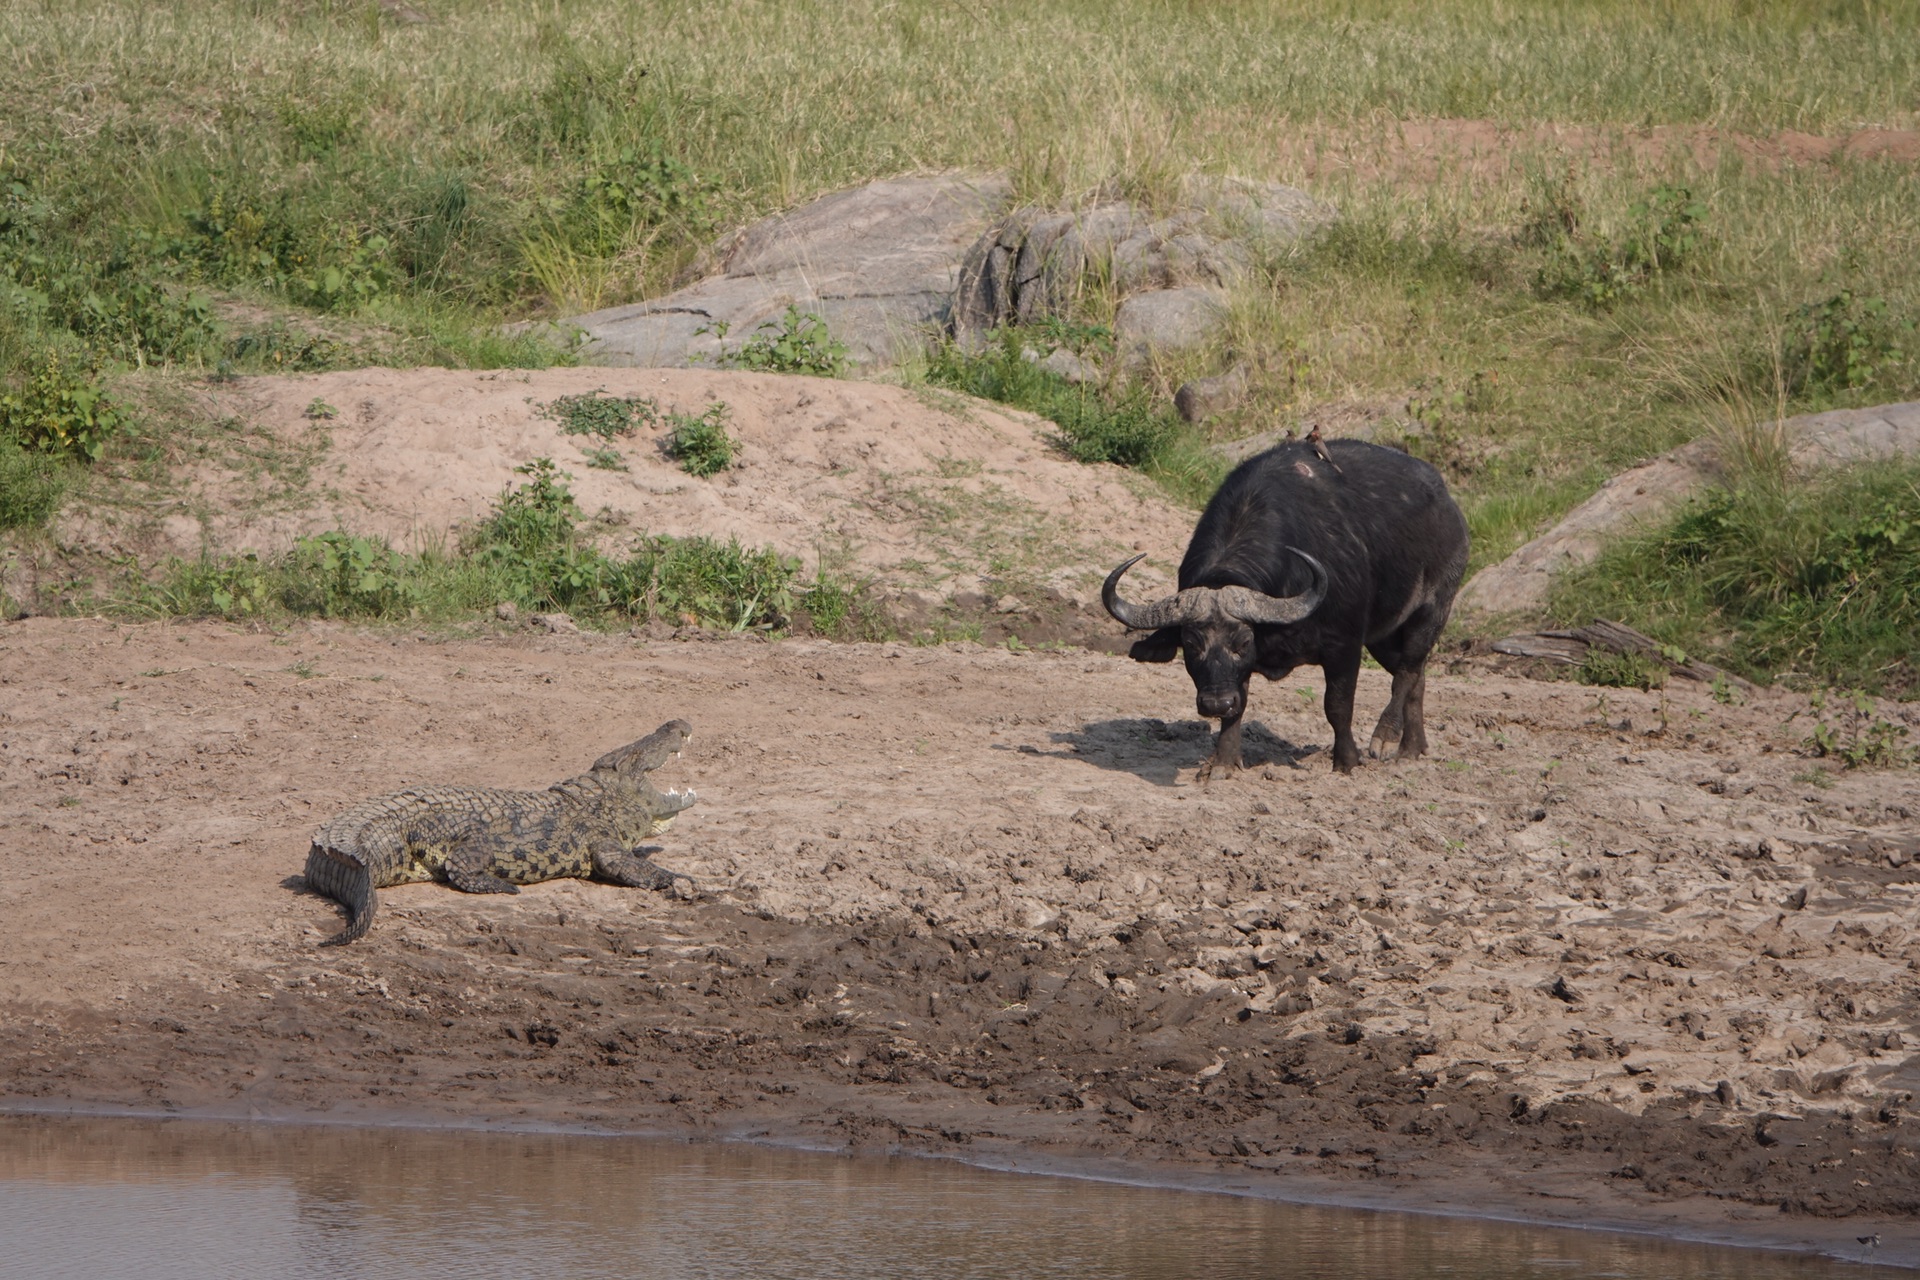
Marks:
<point>156,1199</point>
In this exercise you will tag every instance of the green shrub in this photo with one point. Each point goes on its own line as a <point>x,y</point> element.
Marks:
<point>288,245</point>
<point>338,574</point>
<point>602,416</point>
<point>1844,343</point>
<point>1662,235</point>
<point>59,412</point>
<point>704,582</point>
<point>799,343</point>
<point>1817,578</point>
<point>701,444</point>
<point>627,192</point>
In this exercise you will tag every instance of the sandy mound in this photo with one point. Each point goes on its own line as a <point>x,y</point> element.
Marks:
<point>921,490</point>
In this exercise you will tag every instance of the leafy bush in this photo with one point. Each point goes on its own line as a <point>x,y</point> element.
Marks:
<point>1662,235</point>
<point>1819,578</point>
<point>799,343</point>
<point>59,412</point>
<point>1844,343</point>
<point>531,543</point>
<point>338,574</point>
<point>701,444</point>
<point>313,260</point>
<point>629,191</point>
<point>602,416</point>
<point>704,582</point>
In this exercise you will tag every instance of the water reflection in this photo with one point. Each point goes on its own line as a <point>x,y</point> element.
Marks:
<point>161,1199</point>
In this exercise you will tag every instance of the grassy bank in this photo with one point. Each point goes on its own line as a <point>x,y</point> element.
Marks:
<point>1555,252</point>
<point>534,553</point>
<point>1813,578</point>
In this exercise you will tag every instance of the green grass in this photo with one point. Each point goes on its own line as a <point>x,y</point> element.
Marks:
<point>531,552</point>
<point>1123,425</point>
<point>367,192</point>
<point>1814,579</point>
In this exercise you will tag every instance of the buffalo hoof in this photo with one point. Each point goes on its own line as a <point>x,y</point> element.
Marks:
<point>1215,768</point>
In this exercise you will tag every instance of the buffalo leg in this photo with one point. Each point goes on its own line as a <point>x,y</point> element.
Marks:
<point>1225,760</point>
<point>1413,741</point>
<point>1343,676</point>
<point>1401,715</point>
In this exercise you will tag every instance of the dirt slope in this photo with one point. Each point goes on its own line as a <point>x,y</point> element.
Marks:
<point>926,492</point>
<point>1615,958</point>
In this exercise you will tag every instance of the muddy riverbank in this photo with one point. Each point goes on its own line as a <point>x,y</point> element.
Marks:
<point>1625,958</point>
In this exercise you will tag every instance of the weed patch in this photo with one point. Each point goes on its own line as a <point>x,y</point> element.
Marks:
<point>1844,343</point>
<point>1847,728</point>
<point>58,411</point>
<point>31,486</point>
<point>1817,579</point>
<point>1124,427</point>
<point>532,552</point>
<point>1662,235</point>
<point>1609,670</point>
<point>799,343</point>
<point>700,444</point>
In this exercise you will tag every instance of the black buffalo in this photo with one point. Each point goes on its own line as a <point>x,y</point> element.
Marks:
<point>1307,553</point>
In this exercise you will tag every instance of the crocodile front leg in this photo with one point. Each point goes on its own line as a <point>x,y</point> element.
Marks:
<point>635,870</point>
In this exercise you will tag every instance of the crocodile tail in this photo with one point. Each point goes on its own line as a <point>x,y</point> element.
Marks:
<point>347,881</point>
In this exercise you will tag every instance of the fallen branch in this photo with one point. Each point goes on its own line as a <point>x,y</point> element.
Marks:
<point>1571,648</point>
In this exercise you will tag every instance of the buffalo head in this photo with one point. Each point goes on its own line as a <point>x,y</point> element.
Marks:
<point>1215,629</point>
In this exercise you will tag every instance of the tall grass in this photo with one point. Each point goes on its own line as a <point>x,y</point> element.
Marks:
<point>390,192</point>
<point>1122,425</point>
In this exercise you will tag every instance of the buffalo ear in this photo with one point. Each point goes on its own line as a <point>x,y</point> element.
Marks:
<point>1161,646</point>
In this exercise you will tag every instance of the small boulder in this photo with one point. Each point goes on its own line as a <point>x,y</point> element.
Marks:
<point>1203,398</point>
<point>1070,366</point>
<point>1168,320</point>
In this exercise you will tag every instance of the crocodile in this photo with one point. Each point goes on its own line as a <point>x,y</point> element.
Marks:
<point>487,840</point>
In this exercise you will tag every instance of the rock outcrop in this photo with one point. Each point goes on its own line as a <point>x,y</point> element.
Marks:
<point>878,263</point>
<point>891,264</point>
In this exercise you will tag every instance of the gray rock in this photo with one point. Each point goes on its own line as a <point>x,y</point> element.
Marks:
<point>1203,398</point>
<point>1168,320</point>
<point>878,263</point>
<point>1267,214</point>
<point>1070,366</point>
<point>1033,264</point>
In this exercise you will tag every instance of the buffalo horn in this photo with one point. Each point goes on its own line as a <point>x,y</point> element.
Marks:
<point>1167,612</point>
<point>1253,606</point>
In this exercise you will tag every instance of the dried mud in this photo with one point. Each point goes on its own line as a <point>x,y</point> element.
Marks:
<point>1621,958</point>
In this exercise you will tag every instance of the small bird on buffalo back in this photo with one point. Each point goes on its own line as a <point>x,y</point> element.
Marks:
<point>1320,449</point>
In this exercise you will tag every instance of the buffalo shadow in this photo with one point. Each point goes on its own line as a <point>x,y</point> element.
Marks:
<point>1157,750</point>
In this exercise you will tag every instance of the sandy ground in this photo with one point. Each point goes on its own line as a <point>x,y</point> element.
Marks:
<point>931,495</point>
<point>1601,958</point>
